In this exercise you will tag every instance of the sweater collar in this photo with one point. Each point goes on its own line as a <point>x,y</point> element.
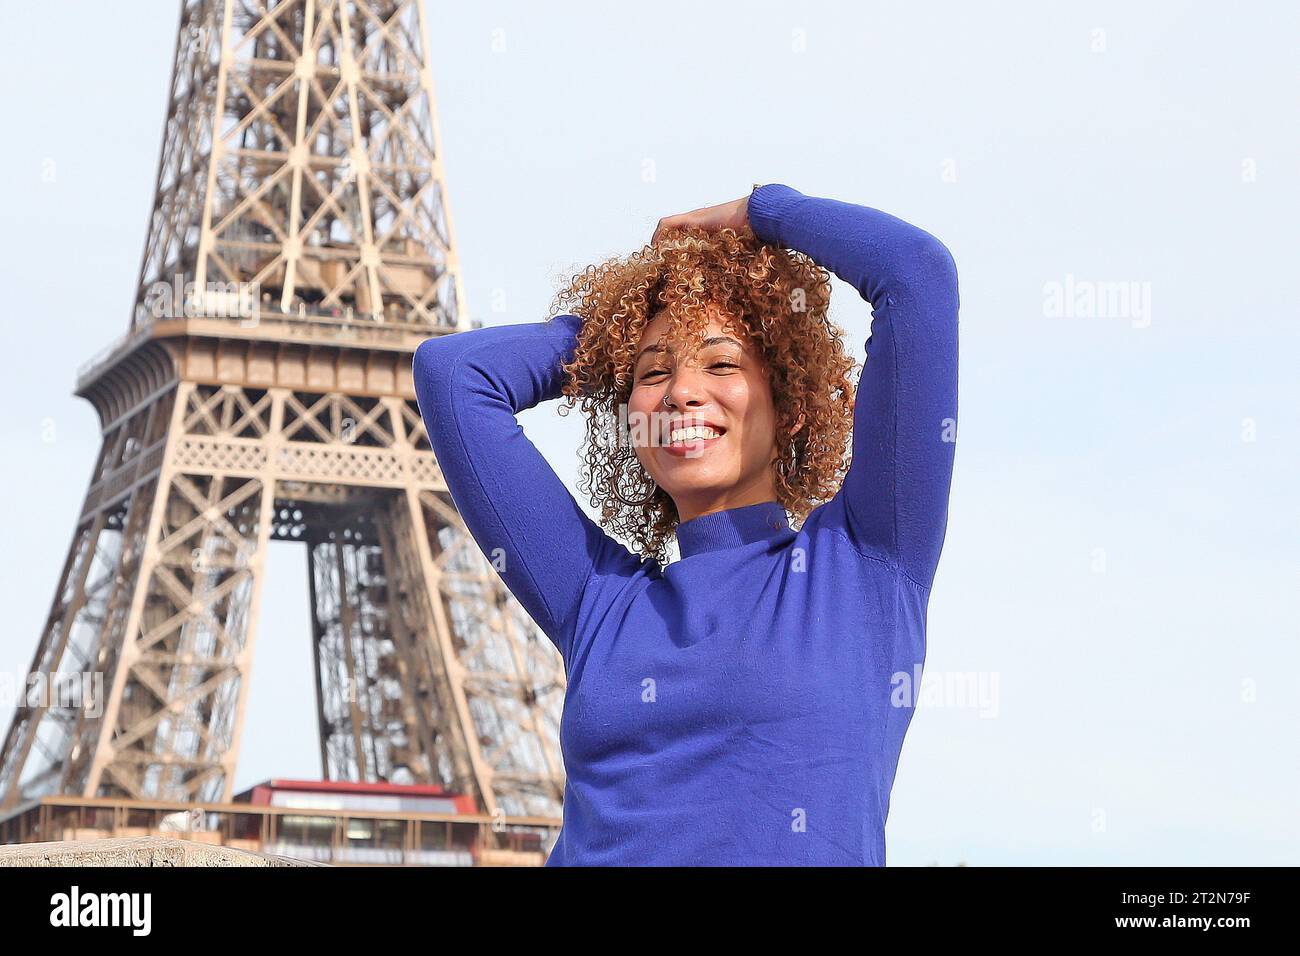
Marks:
<point>732,528</point>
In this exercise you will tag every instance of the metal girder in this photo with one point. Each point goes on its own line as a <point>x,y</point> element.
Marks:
<point>300,155</point>
<point>427,670</point>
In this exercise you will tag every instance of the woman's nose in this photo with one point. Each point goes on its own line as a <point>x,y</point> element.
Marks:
<point>684,387</point>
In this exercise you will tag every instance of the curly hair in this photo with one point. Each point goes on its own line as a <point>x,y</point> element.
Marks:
<point>777,299</point>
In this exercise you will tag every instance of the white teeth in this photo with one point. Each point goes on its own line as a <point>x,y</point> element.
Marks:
<point>695,432</point>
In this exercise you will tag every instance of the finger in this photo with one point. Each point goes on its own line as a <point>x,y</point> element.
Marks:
<point>671,222</point>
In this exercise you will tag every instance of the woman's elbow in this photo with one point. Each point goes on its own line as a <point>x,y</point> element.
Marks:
<point>936,258</point>
<point>431,368</point>
<point>434,358</point>
<point>937,268</point>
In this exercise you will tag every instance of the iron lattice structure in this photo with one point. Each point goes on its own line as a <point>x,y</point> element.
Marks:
<point>300,178</point>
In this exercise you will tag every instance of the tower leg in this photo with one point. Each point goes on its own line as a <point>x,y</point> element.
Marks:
<point>173,712</point>
<point>50,739</point>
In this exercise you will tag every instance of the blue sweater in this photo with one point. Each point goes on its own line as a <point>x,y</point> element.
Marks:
<point>747,703</point>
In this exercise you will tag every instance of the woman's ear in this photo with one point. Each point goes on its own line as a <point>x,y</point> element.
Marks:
<point>794,429</point>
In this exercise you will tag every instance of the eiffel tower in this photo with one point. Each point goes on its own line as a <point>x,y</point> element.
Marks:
<point>299,249</point>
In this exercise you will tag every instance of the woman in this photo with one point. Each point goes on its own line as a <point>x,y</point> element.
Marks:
<point>734,706</point>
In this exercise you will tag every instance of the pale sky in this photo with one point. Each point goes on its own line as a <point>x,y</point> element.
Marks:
<point>1120,573</point>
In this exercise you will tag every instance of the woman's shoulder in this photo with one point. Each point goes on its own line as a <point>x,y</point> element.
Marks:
<point>825,529</point>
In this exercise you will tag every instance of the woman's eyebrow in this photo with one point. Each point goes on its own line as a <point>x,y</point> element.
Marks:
<point>711,340</point>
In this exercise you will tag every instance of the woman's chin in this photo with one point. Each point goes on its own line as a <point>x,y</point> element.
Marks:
<point>695,487</point>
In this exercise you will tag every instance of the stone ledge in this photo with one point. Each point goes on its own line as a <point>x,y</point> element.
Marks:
<point>138,851</point>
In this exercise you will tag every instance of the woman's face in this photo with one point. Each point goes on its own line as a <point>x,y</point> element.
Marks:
<point>723,387</point>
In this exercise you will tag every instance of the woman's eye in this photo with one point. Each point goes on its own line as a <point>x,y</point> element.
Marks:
<point>663,371</point>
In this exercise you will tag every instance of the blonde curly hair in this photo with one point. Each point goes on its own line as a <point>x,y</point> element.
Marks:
<point>775,298</point>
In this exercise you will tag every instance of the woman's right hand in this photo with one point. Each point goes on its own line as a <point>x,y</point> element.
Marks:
<point>734,215</point>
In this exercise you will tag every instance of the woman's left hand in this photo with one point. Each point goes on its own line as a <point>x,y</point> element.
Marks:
<point>734,215</point>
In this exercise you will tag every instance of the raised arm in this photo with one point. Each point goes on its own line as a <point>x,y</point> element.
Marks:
<point>894,500</point>
<point>470,385</point>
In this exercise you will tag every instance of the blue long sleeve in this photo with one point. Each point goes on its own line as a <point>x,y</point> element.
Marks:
<point>747,704</point>
<point>469,386</point>
<point>894,501</point>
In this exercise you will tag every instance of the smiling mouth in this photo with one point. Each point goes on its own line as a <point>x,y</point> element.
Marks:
<point>693,442</point>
